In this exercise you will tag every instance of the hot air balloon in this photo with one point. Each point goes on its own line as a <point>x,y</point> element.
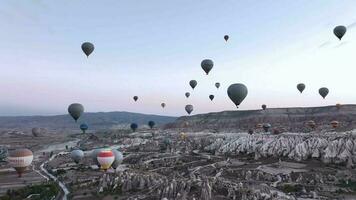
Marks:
<point>183,136</point>
<point>20,159</point>
<point>75,110</point>
<point>189,108</point>
<point>151,124</point>
<point>338,106</point>
<point>135,98</point>
<point>311,124</point>
<point>36,132</point>
<point>217,85</point>
<point>118,158</point>
<point>323,92</point>
<point>250,131</point>
<point>105,158</point>
<point>334,124</point>
<point>193,83</point>
<point>339,31</point>
<point>77,155</point>
<point>226,38</point>
<point>133,127</point>
<point>237,93</point>
<point>259,125</point>
<point>87,48</point>
<point>264,106</point>
<point>211,97</point>
<point>207,65</point>
<point>187,94</point>
<point>83,127</point>
<point>167,141</point>
<point>163,105</point>
<point>266,127</point>
<point>94,155</point>
<point>301,87</point>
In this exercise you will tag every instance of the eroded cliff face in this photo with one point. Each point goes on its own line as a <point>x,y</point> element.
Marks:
<point>284,119</point>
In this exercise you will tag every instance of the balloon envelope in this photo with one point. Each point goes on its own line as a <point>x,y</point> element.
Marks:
<point>207,65</point>
<point>77,155</point>
<point>20,159</point>
<point>264,106</point>
<point>193,83</point>
<point>151,124</point>
<point>237,93</point>
<point>163,105</point>
<point>323,92</point>
<point>226,38</point>
<point>189,108</point>
<point>118,158</point>
<point>75,110</point>
<point>266,127</point>
<point>187,94</point>
<point>105,158</point>
<point>133,126</point>
<point>94,155</point>
<point>211,97</point>
<point>36,132</point>
<point>135,98</point>
<point>301,87</point>
<point>217,85</point>
<point>87,48</point>
<point>340,31</point>
<point>84,127</point>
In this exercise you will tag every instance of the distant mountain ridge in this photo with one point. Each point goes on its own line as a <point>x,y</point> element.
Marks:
<point>99,120</point>
<point>288,119</point>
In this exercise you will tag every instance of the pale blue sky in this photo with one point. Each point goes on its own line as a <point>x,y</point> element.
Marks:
<point>153,48</point>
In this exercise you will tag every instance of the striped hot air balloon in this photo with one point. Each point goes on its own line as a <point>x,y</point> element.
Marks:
<point>105,158</point>
<point>20,159</point>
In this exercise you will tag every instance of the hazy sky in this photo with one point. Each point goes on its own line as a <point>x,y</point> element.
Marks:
<point>153,48</point>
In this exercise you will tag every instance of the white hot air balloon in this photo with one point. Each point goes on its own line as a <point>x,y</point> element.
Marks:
<point>105,158</point>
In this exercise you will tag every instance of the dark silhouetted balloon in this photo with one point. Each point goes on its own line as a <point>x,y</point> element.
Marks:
<point>36,132</point>
<point>323,92</point>
<point>237,93</point>
<point>226,38</point>
<point>83,127</point>
<point>87,48</point>
<point>187,94</point>
<point>264,106</point>
<point>193,83</point>
<point>75,110</point>
<point>207,65</point>
<point>135,98</point>
<point>151,124</point>
<point>77,155</point>
<point>250,131</point>
<point>189,108</point>
<point>217,85</point>
<point>339,31</point>
<point>133,127</point>
<point>211,97</point>
<point>163,105</point>
<point>266,127</point>
<point>301,87</point>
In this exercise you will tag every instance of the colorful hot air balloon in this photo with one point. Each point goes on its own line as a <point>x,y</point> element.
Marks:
<point>226,38</point>
<point>118,158</point>
<point>323,92</point>
<point>311,124</point>
<point>237,93</point>
<point>133,127</point>
<point>217,85</point>
<point>151,124</point>
<point>83,127</point>
<point>340,31</point>
<point>207,65</point>
<point>334,124</point>
<point>75,110</point>
<point>20,159</point>
<point>301,87</point>
<point>77,155</point>
<point>189,108</point>
<point>163,105</point>
<point>193,83</point>
<point>187,94</point>
<point>87,48</point>
<point>135,98</point>
<point>264,106</point>
<point>211,97</point>
<point>183,136</point>
<point>105,158</point>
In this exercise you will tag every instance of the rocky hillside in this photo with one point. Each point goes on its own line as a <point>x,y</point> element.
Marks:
<point>285,119</point>
<point>100,120</point>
